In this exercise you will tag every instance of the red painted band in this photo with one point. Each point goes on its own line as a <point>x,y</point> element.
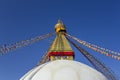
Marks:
<point>61,54</point>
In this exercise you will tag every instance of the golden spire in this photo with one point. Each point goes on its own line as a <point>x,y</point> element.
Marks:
<point>60,26</point>
<point>60,48</point>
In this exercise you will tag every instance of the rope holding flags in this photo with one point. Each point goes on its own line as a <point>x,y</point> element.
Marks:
<point>105,51</point>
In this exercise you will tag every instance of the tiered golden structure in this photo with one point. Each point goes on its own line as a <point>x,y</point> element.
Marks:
<point>60,49</point>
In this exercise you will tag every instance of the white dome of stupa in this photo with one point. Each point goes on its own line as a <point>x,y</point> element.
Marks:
<point>63,70</point>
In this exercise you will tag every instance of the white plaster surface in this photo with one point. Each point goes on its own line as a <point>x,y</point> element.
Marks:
<point>63,70</point>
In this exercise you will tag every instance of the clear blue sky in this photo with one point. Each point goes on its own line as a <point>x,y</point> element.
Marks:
<point>95,21</point>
